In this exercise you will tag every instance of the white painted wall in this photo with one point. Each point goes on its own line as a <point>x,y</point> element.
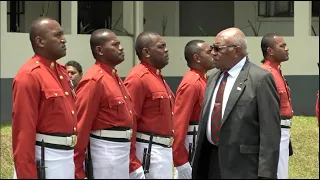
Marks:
<point>16,49</point>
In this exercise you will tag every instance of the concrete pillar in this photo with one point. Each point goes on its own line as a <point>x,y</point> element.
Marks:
<point>138,23</point>
<point>302,18</point>
<point>3,29</point>
<point>69,17</point>
<point>3,17</point>
<point>128,15</point>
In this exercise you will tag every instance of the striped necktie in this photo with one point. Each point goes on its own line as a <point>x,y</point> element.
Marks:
<point>217,111</point>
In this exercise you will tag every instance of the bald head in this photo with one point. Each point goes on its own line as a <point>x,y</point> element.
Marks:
<point>234,36</point>
<point>99,37</point>
<point>47,38</point>
<point>40,27</point>
<point>229,48</point>
<point>106,47</point>
<point>145,39</point>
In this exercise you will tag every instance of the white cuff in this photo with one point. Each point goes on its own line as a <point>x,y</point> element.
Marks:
<point>184,171</point>
<point>137,174</point>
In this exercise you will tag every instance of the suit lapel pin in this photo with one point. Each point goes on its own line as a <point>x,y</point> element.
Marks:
<point>238,88</point>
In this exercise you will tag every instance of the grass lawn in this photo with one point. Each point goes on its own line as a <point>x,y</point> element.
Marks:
<point>304,164</point>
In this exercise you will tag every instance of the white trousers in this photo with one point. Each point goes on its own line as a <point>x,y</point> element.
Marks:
<point>283,165</point>
<point>110,160</point>
<point>160,162</point>
<point>59,163</point>
<point>188,140</point>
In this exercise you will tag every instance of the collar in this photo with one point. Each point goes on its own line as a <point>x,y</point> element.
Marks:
<point>201,74</point>
<point>235,70</point>
<point>44,61</point>
<point>151,68</point>
<point>105,67</point>
<point>272,64</point>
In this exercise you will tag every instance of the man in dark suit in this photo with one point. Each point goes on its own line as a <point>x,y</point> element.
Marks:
<point>239,130</point>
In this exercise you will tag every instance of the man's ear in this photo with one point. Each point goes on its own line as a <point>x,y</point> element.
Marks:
<point>99,50</point>
<point>270,51</point>
<point>196,58</point>
<point>145,52</point>
<point>39,41</point>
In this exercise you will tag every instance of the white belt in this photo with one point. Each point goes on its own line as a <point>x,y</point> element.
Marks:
<point>58,140</point>
<point>113,133</point>
<point>286,122</point>
<point>191,127</point>
<point>156,139</point>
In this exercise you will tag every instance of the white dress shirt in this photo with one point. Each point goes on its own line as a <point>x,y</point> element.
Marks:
<point>233,74</point>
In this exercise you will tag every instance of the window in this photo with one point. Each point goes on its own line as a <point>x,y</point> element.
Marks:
<point>282,8</point>
<point>15,12</point>
<point>20,14</point>
<point>315,8</point>
<point>93,15</point>
<point>275,8</point>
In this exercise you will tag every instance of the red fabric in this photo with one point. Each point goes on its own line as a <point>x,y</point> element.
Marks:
<point>187,109</point>
<point>43,102</point>
<point>101,103</point>
<point>153,103</point>
<point>282,87</point>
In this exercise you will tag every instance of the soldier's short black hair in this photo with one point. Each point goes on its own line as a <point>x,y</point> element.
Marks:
<point>191,48</point>
<point>144,40</point>
<point>76,65</point>
<point>267,41</point>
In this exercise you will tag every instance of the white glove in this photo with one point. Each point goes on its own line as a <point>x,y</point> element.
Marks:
<point>184,171</point>
<point>175,176</point>
<point>137,174</point>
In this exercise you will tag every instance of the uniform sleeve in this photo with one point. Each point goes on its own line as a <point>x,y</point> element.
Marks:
<point>26,98</point>
<point>270,129</point>
<point>137,92</point>
<point>87,103</point>
<point>186,98</point>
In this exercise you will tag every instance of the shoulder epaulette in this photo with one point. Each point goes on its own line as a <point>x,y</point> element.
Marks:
<point>97,75</point>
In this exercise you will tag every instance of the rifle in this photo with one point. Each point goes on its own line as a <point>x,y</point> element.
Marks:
<point>190,152</point>
<point>88,163</point>
<point>41,164</point>
<point>147,156</point>
<point>192,146</point>
<point>144,157</point>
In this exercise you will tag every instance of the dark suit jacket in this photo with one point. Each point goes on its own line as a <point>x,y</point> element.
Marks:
<point>250,131</point>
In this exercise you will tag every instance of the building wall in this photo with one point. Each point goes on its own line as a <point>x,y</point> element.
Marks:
<point>206,14</point>
<point>245,10</point>
<point>301,70</point>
